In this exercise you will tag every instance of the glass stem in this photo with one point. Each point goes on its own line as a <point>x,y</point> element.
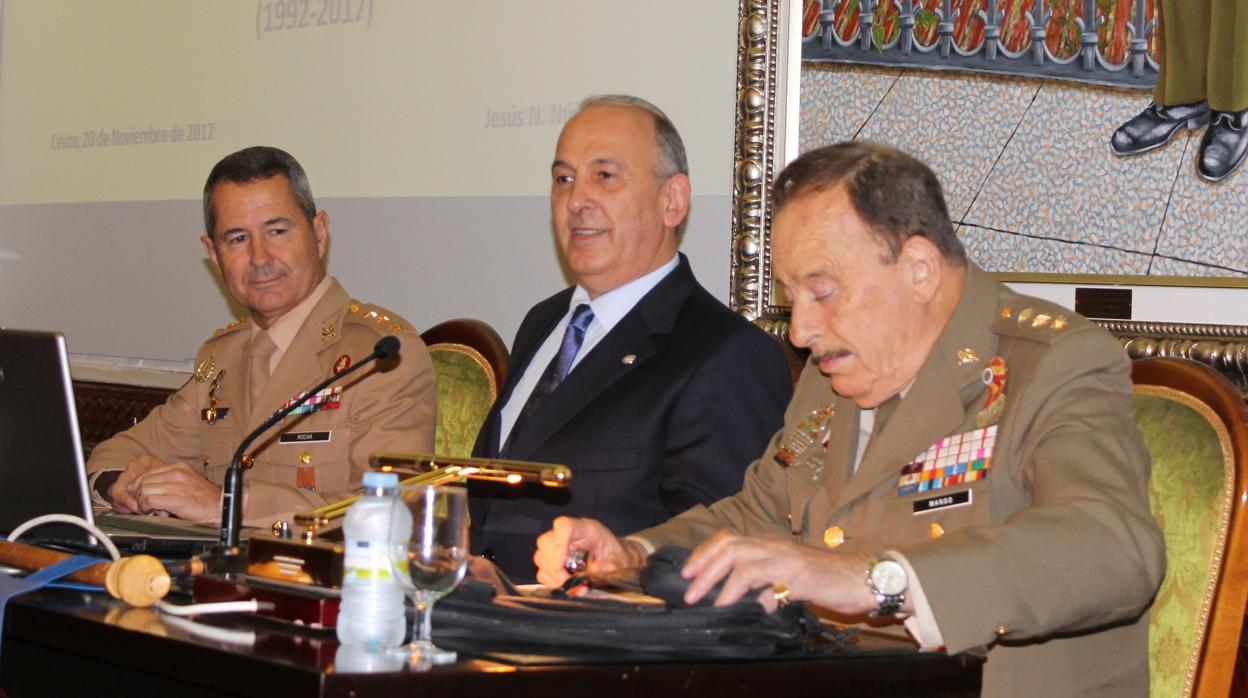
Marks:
<point>424,619</point>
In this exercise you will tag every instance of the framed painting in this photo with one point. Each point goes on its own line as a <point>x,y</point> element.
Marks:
<point>1065,216</point>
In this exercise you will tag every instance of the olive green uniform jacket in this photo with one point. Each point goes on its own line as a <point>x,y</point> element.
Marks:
<point>387,407</point>
<point>1052,563</point>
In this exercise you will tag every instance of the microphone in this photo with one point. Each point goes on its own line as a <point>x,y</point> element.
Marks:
<point>386,347</point>
<point>232,491</point>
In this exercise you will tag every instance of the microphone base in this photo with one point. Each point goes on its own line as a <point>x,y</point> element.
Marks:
<point>223,559</point>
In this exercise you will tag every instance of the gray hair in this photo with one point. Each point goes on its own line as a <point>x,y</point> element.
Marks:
<point>671,147</point>
<point>256,163</point>
<point>895,194</point>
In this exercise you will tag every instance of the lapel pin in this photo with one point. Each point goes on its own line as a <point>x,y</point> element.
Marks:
<point>967,355</point>
<point>629,359</point>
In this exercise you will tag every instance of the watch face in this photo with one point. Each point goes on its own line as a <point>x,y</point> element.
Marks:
<point>889,577</point>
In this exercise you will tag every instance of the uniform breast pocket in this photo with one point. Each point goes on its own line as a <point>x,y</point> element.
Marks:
<point>311,454</point>
<point>933,513</point>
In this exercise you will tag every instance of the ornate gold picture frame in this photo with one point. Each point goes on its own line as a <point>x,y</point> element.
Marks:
<point>764,56</point>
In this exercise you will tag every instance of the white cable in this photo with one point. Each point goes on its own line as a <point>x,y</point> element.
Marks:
<point>69,519</point>
<point>212,632</point>
<point>196,609</point>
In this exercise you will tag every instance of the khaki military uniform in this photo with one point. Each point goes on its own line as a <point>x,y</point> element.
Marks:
<point>1049,561</point>
<point>308,459</point>
<point>1204,53</point>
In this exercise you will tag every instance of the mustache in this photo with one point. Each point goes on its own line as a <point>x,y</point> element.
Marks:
<point>834,354</point>
<point>262,274</point>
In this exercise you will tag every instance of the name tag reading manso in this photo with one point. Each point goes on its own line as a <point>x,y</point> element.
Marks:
<point>304,437</point>
<point>944,501</point>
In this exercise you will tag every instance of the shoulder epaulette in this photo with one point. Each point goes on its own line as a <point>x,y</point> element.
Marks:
<point>232,327</point>
<point>1036,320</point>
<point>376,316</point>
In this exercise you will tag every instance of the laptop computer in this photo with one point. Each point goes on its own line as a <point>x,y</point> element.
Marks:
<point>41,465</point>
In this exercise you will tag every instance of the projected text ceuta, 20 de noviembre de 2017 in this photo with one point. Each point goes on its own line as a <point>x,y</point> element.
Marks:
<point>121,137</point>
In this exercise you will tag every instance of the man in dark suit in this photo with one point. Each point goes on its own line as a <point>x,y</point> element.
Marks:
<point>653,392</point>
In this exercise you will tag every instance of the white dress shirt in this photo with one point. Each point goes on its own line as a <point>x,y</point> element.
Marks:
<point>609,309</point>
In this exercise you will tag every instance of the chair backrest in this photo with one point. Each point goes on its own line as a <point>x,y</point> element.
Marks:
<point>470,362</point>
<point>794,357</point>
<point>1193,423</point>
<point>105,409</point>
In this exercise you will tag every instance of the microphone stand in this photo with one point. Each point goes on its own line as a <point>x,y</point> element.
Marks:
<point>227,550</point>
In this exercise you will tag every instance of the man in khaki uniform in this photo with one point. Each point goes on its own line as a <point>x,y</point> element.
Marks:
<point>971,468</point>
<point>269,242</point>
<point>1203,80</point>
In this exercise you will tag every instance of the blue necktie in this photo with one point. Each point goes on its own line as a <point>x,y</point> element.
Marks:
<point>556,370</point>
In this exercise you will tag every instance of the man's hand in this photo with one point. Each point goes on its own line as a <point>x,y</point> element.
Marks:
<point>173,488</point>
<point>119,493</point>
<point>568,535</point>
<point>829,579</point>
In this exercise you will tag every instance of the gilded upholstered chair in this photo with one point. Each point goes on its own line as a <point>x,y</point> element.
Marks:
<point>470,361</point>
<point>1193,423</point>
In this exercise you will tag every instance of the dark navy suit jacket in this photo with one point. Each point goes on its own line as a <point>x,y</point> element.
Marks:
<point>645,440</point>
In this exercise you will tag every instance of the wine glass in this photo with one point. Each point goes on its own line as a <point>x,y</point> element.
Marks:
<point>436,557</point>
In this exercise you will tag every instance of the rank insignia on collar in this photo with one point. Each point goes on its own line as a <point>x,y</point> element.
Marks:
<point>205,369</point>
<point>994,404</point>
<point>342,364</point>
<point>799,446</point>
<point>952,460</point>
<point>328,331</point>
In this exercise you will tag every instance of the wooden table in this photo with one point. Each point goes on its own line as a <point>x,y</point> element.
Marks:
<point>66,643</point>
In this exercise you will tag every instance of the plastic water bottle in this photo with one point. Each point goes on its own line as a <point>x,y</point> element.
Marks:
<point>377,528</point>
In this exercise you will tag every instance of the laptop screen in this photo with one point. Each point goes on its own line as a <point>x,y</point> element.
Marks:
<point>41,466</point>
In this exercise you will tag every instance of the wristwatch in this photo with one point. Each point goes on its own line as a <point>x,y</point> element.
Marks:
<point>888,581</point>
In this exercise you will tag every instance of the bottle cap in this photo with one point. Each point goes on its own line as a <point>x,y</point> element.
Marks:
<point>385,481</point>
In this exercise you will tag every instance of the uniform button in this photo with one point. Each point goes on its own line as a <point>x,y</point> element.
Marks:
<point>834,536</point>
<point>1002,630</point>
<point>936,531</point>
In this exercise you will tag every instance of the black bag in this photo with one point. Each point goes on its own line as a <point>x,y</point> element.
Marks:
<point>486,614</point>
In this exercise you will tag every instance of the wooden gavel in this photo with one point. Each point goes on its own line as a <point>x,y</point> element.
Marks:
<point>140,581</point>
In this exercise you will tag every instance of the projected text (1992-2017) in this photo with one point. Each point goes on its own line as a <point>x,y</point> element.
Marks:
<point>290,15</point>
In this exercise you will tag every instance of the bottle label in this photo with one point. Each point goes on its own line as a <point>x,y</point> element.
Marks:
<point>371,561</point>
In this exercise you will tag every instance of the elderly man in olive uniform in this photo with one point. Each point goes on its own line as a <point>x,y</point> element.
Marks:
<point>266,237</point>
<point>971,467</point>
<point>1203,80</point>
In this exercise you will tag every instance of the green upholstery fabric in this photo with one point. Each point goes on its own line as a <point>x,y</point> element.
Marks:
<point>465,395</point>
<point>1188,492</point>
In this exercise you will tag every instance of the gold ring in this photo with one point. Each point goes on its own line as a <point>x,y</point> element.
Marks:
<point>780,592</point>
